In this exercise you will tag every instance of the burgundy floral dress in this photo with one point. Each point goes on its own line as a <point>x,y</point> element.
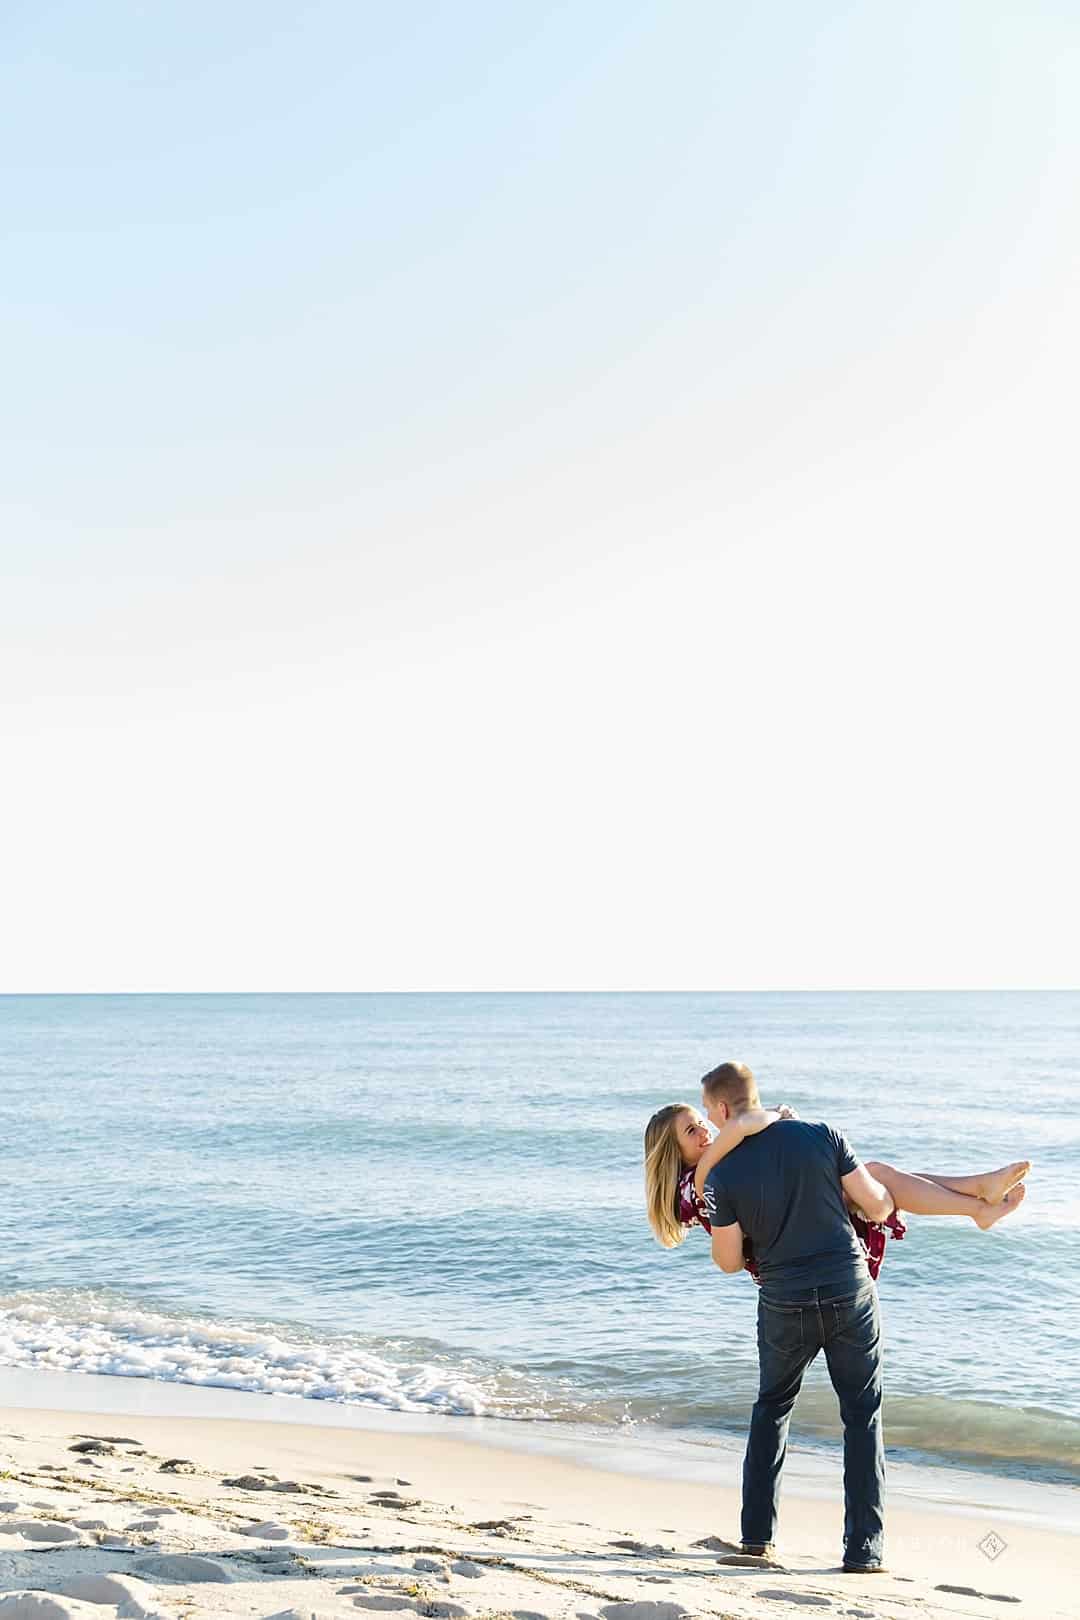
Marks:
<point>871,1234</point>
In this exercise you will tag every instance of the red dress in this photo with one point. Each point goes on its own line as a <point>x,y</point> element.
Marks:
<point>872,1235</point>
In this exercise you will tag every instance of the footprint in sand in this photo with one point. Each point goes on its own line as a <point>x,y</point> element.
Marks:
<point>297,1614</point>
<point>716,1544</point>
<point>269,1530</point>
<point>751,1561</point>
<point>110,1439</point>
<point>643,1611</point>
<point>809,1598</point>
<point>16,1534</point>
<point>465,1566</point>
<point>138,1599</point>
<point>971,1591</point>
<point>183,1568</point>
<point>40,1606</point>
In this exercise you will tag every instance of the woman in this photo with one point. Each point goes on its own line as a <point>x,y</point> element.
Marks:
<point>679,1156</point>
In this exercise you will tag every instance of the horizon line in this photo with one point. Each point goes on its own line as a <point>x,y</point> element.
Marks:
<point>826,990</point>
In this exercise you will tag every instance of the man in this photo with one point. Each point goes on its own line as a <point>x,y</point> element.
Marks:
<point>784,1189</point>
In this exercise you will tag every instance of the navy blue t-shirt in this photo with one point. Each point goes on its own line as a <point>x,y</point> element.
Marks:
<point>783,1188</point>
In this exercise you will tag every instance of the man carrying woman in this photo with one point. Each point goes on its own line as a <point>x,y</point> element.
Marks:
<point>791,1202</point>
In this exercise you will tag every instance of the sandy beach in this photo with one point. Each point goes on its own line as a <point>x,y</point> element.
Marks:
<point>168,1514</point>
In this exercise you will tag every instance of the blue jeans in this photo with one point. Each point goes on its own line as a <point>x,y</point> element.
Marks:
<point>844,1322</point>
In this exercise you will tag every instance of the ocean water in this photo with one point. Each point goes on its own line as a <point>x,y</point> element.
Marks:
<point>432,1203</point>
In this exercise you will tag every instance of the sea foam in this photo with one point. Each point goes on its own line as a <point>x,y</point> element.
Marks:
<point>83,1334</point>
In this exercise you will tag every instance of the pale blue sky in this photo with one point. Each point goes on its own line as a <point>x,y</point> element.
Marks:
<point>539,495</point>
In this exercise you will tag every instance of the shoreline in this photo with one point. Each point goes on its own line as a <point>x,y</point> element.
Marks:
<point>811,1472</point>
<point>267,1512</point>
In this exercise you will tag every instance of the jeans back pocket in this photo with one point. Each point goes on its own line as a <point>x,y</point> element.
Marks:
<point>781,1327</point>
<point>857,1321</point>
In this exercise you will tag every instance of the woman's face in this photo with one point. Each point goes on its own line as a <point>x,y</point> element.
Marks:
<point>692,1135</point>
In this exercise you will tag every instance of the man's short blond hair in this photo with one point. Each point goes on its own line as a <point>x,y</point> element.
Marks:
<point>732,1083</point>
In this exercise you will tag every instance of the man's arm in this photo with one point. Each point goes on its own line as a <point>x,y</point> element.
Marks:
<point>867,1192</point>
<point>863,1189</point>
<point>727,1237</point>
<point>727,1247</point>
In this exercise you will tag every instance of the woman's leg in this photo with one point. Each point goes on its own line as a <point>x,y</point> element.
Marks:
<point>921,1195</point>
<point>992,1185</point>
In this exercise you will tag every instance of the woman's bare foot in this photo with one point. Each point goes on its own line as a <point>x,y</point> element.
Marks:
<point>993,1187</point>
<point>997,1212</point>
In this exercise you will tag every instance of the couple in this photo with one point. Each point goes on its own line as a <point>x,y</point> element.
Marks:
<point>790,1202</point>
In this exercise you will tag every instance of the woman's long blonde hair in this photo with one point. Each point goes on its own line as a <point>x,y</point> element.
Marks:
<point>663,1167</point>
